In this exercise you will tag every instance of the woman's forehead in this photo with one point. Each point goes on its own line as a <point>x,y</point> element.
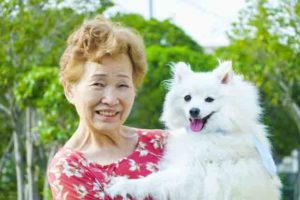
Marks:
<point>93,69</point>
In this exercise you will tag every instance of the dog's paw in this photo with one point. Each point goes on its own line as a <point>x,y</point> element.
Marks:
<point>126,188</point>
<point>119,187</point>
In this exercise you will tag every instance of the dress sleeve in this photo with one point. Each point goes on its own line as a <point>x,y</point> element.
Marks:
<point>157,137</point>
<point>70,180</point>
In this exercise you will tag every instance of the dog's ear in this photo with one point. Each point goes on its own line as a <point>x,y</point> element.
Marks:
<point>224,72</point>
<point>180,70</point>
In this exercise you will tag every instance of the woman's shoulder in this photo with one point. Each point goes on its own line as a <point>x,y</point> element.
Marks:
<point>64,153</point>
<point>152,138</point>
<point>152,133</point>
<point>65,158</point>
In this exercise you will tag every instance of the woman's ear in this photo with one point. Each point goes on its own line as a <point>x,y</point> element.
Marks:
<point>69,91</point>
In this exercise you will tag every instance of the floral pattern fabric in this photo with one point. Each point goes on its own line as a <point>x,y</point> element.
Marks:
<point>71,176</point>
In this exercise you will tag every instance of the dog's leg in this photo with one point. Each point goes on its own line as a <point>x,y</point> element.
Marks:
<point>161,185</point>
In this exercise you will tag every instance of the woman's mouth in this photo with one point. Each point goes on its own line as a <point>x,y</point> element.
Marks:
<point>107,115</point>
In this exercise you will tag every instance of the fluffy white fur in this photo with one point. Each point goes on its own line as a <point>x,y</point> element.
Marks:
<point>218,163</point>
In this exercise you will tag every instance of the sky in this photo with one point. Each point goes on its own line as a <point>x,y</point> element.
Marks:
<point>206,21</point>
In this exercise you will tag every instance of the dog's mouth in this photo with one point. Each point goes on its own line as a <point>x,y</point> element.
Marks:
<point>197,124</point>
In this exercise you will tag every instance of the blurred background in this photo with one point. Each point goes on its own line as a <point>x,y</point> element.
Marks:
<point>261,37</point>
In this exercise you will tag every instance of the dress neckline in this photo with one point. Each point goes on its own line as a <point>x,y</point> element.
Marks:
<point>91,162</point>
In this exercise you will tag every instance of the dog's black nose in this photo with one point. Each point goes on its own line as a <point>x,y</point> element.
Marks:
<point>194,112</point>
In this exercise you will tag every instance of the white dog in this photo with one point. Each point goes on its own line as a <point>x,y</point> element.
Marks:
<point>217,148</point>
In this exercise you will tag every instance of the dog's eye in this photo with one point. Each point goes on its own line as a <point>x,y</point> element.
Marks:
<point>187,97</point>
<point>209,99</point>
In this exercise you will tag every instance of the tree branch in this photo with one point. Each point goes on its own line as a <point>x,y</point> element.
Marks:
<point>5,109</point>
<point>289,103</point>
<point>5,156</point>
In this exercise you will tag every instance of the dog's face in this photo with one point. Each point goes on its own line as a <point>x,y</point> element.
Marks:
<point>201,101</point>
<point>200,98</point>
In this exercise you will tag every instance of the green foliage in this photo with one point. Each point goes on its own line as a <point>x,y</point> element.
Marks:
<point>7,186</point>
<point>154,32</point>
<point>39,88</point>
<point>265,48</point>
<point>35,36</point>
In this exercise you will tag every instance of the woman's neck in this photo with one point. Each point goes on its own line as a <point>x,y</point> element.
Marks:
<point>86,138</point>
<point>104,147</point>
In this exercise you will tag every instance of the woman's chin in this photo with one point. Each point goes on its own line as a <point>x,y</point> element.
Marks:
<point>107,123</point>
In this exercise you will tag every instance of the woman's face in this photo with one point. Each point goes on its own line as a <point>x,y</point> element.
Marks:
<point>104,95</point>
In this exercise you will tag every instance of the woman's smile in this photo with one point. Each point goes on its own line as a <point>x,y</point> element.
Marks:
<point>107,115</point>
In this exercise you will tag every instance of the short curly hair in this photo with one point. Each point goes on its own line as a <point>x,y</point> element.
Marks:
<point>96,38</point>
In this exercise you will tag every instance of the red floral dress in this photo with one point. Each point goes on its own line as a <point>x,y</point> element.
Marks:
<point>71,176</point>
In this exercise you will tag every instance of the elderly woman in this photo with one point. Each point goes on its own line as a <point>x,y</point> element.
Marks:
<point>101,69</point>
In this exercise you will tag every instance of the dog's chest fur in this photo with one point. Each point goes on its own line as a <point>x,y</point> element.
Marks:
<point>211,148</point>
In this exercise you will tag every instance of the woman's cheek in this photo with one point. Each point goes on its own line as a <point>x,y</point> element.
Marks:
<point>93,96</point>
<point>129,97</point>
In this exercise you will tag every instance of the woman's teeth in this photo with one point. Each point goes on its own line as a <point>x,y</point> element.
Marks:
<point>106,113</point>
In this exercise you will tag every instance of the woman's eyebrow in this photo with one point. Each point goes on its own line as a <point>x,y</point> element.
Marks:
<point>101,75</point>
<point>123,76</point>
<point>105,75</point>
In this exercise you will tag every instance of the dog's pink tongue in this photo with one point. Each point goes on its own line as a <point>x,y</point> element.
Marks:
<point>196,125</point>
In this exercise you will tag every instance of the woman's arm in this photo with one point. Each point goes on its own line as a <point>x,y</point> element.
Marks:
<point>70,180</point>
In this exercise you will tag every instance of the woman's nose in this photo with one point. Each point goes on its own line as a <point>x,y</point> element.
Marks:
<point>110,97</point>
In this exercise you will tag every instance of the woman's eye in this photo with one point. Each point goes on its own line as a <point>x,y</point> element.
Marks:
<point>209,99</point>
<point>98,84</point>
<point>123,86</point>
<point>187,98</point>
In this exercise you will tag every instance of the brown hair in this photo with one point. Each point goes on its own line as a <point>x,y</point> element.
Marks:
<point>96,38</point>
